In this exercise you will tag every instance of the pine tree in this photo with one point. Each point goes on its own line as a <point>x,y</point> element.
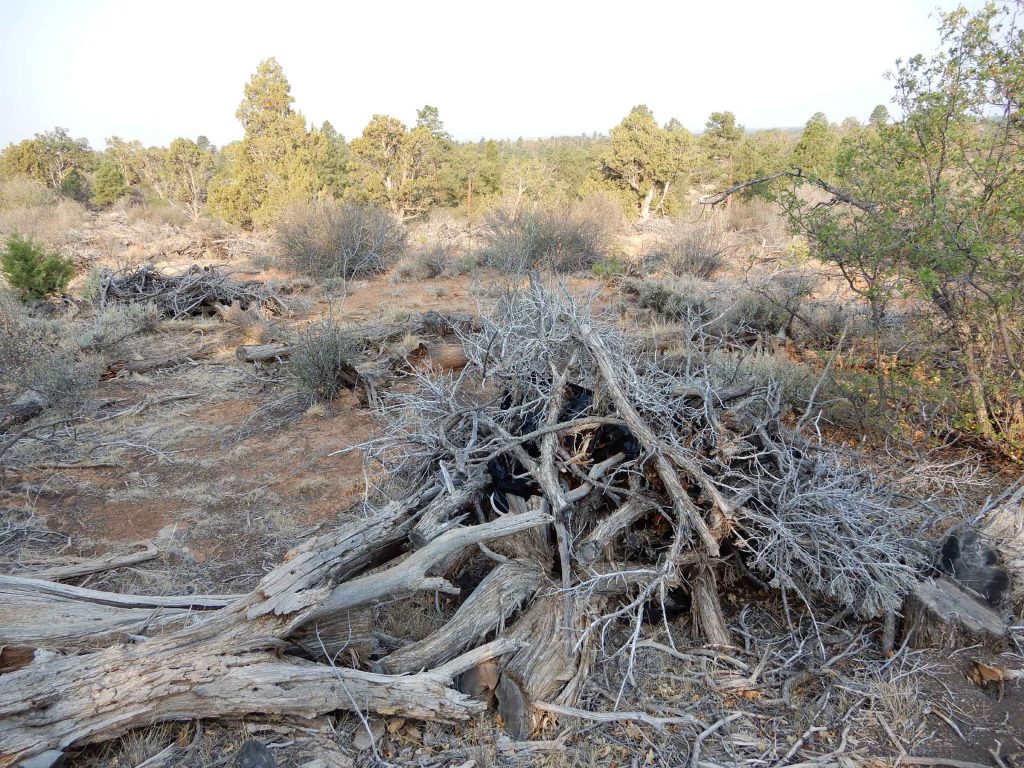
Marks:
<point>108,185</point>
<point>274,166</point>
<point>815,151</point>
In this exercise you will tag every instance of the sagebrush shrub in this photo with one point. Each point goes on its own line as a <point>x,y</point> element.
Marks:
<point>38,356</point>
<point>322,360</point>
<point>698,250</point>
<point>564,241</point>
<point>347,240</point>
<point>31,270</point>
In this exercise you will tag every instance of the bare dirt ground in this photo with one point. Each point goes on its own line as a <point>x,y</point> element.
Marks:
<point>213,462</point>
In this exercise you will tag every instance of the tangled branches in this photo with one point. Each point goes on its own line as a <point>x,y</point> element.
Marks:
<point>199,290</point>
<point>564,409</point>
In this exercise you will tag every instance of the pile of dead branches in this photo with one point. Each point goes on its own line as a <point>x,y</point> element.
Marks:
<point>197,291</point>
<point>561,486</point>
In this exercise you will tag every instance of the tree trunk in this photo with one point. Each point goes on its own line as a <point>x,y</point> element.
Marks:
<point>941,613</point>
<point>645,205</point>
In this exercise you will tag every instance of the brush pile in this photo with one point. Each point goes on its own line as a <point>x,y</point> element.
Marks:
<point>197,291</point>
<point>560,492</point>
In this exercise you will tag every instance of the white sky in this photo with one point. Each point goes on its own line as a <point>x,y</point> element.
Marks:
<point>153,71</point>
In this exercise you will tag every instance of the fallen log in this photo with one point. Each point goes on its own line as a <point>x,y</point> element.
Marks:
<point>539,670</point>
<point>148,365</point>
<point>37,613</point>
<point>25,407</point>
<point>262,353</point>
<point>85,567</point>
<point>497,598</point>
<point>217,667</point>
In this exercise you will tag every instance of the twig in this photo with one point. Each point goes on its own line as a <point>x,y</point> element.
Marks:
<point>616,717</point>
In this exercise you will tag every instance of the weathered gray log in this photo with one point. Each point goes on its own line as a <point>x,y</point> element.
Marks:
<point>86,699</point>
<point>158,363</point>
<point>261,353</point>
<point>218,667</point>
<point>84,567</point>
<point>705,608</point>
<point>343,638</point>
<point>539,670</point>
<point>497,597</point>
<point>26,406</point>
<point>413,573</point>
<point>443,513</point>
<point>605,533</point>
<point>941,613</point>
<point>38,613</point>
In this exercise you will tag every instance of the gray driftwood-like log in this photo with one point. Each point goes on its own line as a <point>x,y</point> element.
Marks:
<point>37,613</point>
<point>262,353</point>
<point>502,592</point>
<point>25,407</point>
<point>592,548</point>
<point>539,670</point>
<point>86,566</point>
<point>941,613</point>
<point>447,512</point>
<point>220,666</point>
<point>158,363</point>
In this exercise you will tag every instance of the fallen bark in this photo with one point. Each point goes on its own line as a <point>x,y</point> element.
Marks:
<point>262,353</point>
<point>218,667</point>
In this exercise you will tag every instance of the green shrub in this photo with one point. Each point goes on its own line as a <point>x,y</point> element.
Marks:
<point>322,360</point>
<point>31,270</point>
<point>608,268</point>
<point>327,239</point>
<point>108,185</point>
<point>75,186</point>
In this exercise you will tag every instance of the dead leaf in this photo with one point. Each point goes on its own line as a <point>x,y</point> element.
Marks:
<point>365,739</point>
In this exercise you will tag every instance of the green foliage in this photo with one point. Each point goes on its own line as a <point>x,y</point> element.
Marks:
<point>184,173</point>
<point>719,145</point>
<point>75,186</point>
<point>327,239</point>
<point>815,151</point>
<point>31,270</point>
<point>108,185</point>
<point>879,116</point>
<point>273,167</point>
<point>609,267</point>
<point>934,205</point>
<point>50,157</point>
<point>758,155</point>
<point>331,153</point>
<point>646,159</point>
<point>395,167</point>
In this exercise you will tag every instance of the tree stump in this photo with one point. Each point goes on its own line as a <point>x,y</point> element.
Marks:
<point>941,613</point>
